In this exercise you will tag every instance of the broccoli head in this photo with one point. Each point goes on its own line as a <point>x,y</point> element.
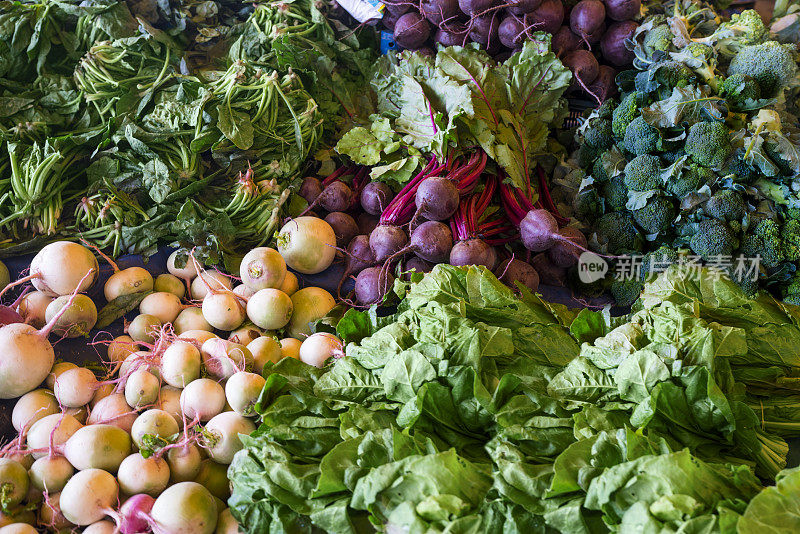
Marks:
<point>727,205</point>
<point>656,216</point>
<point>771,64</point>
<point>790,234</point>
<point>615,193</point>
<point>674,74</point>
<point>643,173</point>
<point>658,39</point>
<point>713,238</point>
<point>745,281</point>
<point>640,138</point>
<point>702,59</point>
<point>585,156</point>
<point>745,28</point>
<point>587,205</point>
<point>739,168</point>
<point>764,239</point>
<point>709,143</point>
<point>792,291</point>
<point>738,89</point>
<point>599,172</point>
<point>606,109</point>
<point>619,232</point>
<point>657,260</point>
<point>599,134</point>
<point>624,114</point>
<point>625,292</point>
<point>692,178</point>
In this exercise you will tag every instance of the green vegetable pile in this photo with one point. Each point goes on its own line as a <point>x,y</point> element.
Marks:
<point>471,409</point>
<point>113,130</point>
<point>701,152</point>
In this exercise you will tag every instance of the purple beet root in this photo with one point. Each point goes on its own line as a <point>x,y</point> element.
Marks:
<point>372,284</point>
<point>473,252</point>
<point>549,274</point>
<point>513,271</point>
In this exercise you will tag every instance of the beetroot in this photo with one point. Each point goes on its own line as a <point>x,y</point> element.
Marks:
<point>484,32</point>
<point>337,196</point>
<point>419,265</point>
<point>476,8</point>
<point>511,32</point>
<point>372,284</point>
<point>366,223</point>
<point>539,232</point>
<point>310,189</point>
<point>473,252</point>
<point>594,37</point>
<point>613,43</point>
<point>358,257</point>
<point>386,240</point>
<point>620,10</point>
<point>605,86</point>
<point>549,274</point>
<point>437,198</point>
<point>344,227</point>
<point>375,197</point>
<point>522,7</point>
<point>438,11</point>
<point>584,67</point>
<point>513,271</point>
<point>411,30</point>
<point>446,38</point>
<point>548,17</point>
<point>586,17</point>
<point>397,8</point>
<point>389,20</point>
<point>564,41</point>
<point>565,251</point>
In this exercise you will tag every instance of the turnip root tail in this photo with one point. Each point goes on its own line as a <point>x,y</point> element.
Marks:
<point>20,282</point>
<point>45,331</point>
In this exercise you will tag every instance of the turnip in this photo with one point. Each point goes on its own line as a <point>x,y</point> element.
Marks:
<point>221,435</point>
<point>375,197</point>
<point>226,523</point>
<point>135,513</point>
<point>290,284</point>
<point>75,387</point>
<point>185,508</point>
<point>198,337</point>
<point>184,463</point>
<point>473,252</point>
<point>80,414</point>
<point>113,410</point>
<point>180,364</point>
<point>290,347</point>
<point>613,46</point>
<point>243,291</point>
<point>189,269</point>
<point>32,308</point>
<point>77,315</point>
<point>101,527</point>
<point>54,429</point>
<point>223,310</point>
<point>319,348</point>
<point>23,528</point>
<point>169,400</point>
<point>164,306</point>
<point>242,391</point>
<point>344,227</point>
<point>139,360</point>
<point>208,282</point>
<point>566,250</point>
<point>169,283</point>
<point>62,268</point>
<point>120,348</point>
<point>156,423</point>
<point>138,474</point>
<point>310,189</point>
<point>270,309</point>
<point>307,244</point>
<point>262,268</point>
<point>56,371</point>
<point>620,10</point>
<point>103,390</point>
<point>191,319</point>
<point>127,281</point>
<point>14,482</point>
<point>223,358</point>
<point>202,399</point>
<point>141,388</point>
<point>51,473</point>
<point>89,496</point>
<point>50,515</point>
<point>144,328</point>
<point>213,476</point>
<point>372,284</point>
<point>309,304</point>
<point>245,334</point>
<point>31,407</point>
<point>97,447</point>
<point>264,349</point>
<point>548,17</point>
<point>437,198</point>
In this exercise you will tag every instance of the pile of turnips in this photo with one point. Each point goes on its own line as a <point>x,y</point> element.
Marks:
<point>589,36</point>
<point>144,445</point>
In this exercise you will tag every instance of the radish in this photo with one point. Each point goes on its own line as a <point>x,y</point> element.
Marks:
<point>56,371</point>
<point>308,305</point>
<point>89,496</point>
<point>223,358</point>
<point>32,308</point>
<point>202,399</point>
<point>214,477</point>
<point>141,388</point>
<point>77,315</point>
<point>52,430</point>
<point>226,523</point>
<point>169,283</point>
<point>262,268</point>
<point>169,400</point>
<point>270,309</point>
<point>245,334</point>
<point>101,527</point>
<point>223,310</point>
<point>319,348</point>
<point>243,291</point>
<point>113,410</point>
<point>221,435</point>
<point>242,391</point>
<point>164,306</point>
<point>14,482</point>
<point>264,349</point>
<point>50,514</point>
<point>62,268</point>
<point>185,508</point>
<point>191,319</point>
<point>144,328</point>
<point>51,473</point>
<point>97,447</point>
<point>290,347</point>
<point>290,284</point>
<point>135,513</point>
<point>198,337</point>
<point>138,474</point>
<point>31,407</point>
<point>156,423</point>
<point>184,463</point>
<point>75,387</point>
<point>375,197</point>
<point>126,281</point>
<point>372,284</point>
<point>307,244</point>
<point>209,281</point>
<point>386,240</point>
<point>180,364</point>
<point>187,272</point>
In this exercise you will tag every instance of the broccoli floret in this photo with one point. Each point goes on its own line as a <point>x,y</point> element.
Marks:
<point>771,64</point>
<point>625,113</point>
<point>713,238</point>
<point>673,155</point>
<point>691,179</point>
<point>674,74</point>
<point>745,28</point>
<point>744,280</point>
<point>785,167</point>
<point>794,288</point>
<point>606,109</point>
<point>599,171</point>
<point>657,261</point>
<point>659,39</point>
<point>656,216</point>
<point>727,205</point>
<point>599,135</point>
<point>764,240</point>
<point>640,137</point>
<point>742,170</point>
<point>709,143</point>
<point>643,173</point>
<point>585,156</point>
<point>739,89</point>
<point>587,205</point>
<point>615,194</point>
<point>625,292</point>
<point>618,231</point>
<point>790,234</point>
<point>702,59</point>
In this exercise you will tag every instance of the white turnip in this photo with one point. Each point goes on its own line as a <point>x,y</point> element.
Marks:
<point>186,272</point>
<point>32,308</point>
<point>138,474</point>
<point>223,358</point>
<point>75,387</point>
<point>221,435</point>
<point>243,291</point>
<point>185,508</point>
<point>165,306</point>
<point>308,305</point>
<point>214,280</point>
<point>262,268</point>
<point>31,407</point>
<point>264,349</point>
<point>202,399</point>
<point>127,281</point>
<point>184,463</point>
<point>50,515</point>
<point>51,473</point>
<point>290,347</point>
<point>290,284</point>
<point>57,427</point>
<point>169,283</point>
<point>180,364</point>
<point>56,371</point>
<point>101,527</point>
<point>242,391</point>
<point>214,477</point>
<point>270,309</point>
<point>135,513</point>
<point>307,244</point>
<point>226,523</point>
<point>223,310</point>
<point>78,315</point>
<point>14,482</point>
<point>319,348</point>
<point>191,319</point>
<point>144,328</point>
<point>97,447</point>
<point>120,348</point>
<point>18,528</point>
<point>198,337</point>
<point>103,390</point>
<point>154,422</point>
<point>89,496</point>
<point>113,410</point>
<point>245,334</point>
<point>61,268</point>
<point>169,400</point>
<point>141,388</point>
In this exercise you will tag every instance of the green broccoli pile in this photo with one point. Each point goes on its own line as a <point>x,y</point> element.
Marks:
<point>700,156</point>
